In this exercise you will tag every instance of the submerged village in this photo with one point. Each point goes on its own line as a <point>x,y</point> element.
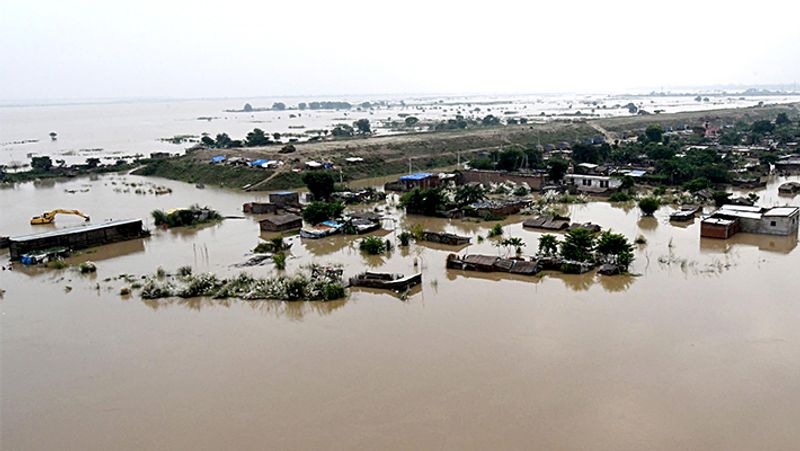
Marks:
<point>707,170</point>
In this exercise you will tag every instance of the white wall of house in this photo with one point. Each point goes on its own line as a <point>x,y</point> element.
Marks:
<point>593,183</point>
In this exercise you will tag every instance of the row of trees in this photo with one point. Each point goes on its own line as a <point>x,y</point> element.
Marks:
<point>581,245</point>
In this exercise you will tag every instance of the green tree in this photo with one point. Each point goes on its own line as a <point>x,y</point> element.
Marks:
<point>425,201</point>
<point>317,212</point>
<point>578,245</point>
<point>278,106</point>
<point>256,138</point>
<point>510,159</point>
<point>514,242</point>
<point>720,198</point>
<point>556,169</point>
<point>782,119</point>
<point>654,133</point>
<point>208,141</point>
<point>548,245</point>
<point>342,131</point>
<point>223,141</point>
<point>92,163</point>
<point>320,184</point>
<point>373,245</point>
<point>490,120</point>
<point>615,248</point>
<point>469,194</point>
<point>363,127</point>
<point>649,205</point>
<point>43,163</point>
<point>763,127</point>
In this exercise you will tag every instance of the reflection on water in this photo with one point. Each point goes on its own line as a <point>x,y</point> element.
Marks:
<point>295,311</point>
<point>648,223</point>
<point>705,318</point>
<point>768,243</point>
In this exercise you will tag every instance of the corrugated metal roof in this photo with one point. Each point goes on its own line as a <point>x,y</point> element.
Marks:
<point>417,176</point>
<point>71,230</point>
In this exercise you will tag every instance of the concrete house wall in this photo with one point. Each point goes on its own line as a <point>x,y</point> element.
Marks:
<point>593,183</point>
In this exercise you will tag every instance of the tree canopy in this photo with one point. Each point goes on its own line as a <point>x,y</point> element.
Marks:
<point>320,184</point>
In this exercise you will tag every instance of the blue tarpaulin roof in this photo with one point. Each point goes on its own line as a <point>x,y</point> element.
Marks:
<point>218,158</point>
<point>417,176</point>
<point>258,162</point>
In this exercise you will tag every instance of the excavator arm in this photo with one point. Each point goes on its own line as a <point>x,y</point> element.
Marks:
<point>49,216</point>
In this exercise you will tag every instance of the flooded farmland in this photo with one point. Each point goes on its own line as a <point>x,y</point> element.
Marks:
<point>697,350</point>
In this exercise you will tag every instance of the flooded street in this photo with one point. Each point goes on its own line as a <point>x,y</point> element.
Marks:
<point>698,350</point>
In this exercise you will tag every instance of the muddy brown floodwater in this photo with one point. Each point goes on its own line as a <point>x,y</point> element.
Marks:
<point>701,350</point>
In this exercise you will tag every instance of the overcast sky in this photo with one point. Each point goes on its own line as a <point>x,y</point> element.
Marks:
<point>68,49</point>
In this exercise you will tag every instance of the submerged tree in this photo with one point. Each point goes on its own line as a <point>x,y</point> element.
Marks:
<point>649,205</point>
<point>578,245</point>
<point>320,184</point>
<point>548,245</point>
<point>615,248</point>
<point>469,194</point>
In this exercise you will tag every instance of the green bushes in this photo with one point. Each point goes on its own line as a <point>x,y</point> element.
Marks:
<point>578,245</point>
<point>619,197</point>
<point>405,238</point>
<point>317,212</point>
<point>373,245</point>
<point>649,205</point>
<point>614,248</point>
<point>181,217</point>
<point>279,260</point>
<point>495,231</point>
<point>312,283</point>
<point>548,245</point>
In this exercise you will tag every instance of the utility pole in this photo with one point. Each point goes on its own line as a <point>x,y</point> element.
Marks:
<point>409,165</point>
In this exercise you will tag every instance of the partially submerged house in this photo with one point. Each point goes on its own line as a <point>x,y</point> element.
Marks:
<point>596,184</point>
<point>79,237</point>
<point>280,223</point>
<point>534,180</point>
<point>732,219</point>
<point>419,180</point>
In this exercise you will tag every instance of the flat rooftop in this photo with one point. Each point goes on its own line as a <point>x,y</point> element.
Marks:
<point>782,212</point>
<point>73,230</point>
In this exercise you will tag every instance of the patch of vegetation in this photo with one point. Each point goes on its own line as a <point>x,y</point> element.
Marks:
<point>373,245</point>
<point>279,260</point>
<point>87,267</point>
<point>312,283</point>
<point>619,197</point>
<point>495,231</point>
<point>317,212</point>
<point>649,205</point>
<point>183,217</point>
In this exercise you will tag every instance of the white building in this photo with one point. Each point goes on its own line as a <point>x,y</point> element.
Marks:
<point>593,183</point>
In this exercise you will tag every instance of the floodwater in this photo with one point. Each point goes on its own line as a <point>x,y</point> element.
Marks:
<point>699,350</point>
<point>121,129</point>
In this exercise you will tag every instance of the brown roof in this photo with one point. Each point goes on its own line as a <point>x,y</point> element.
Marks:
<point>281,219</point>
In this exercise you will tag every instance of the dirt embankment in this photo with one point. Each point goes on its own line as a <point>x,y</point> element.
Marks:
<point>388,155</point>
<point>695,118</point>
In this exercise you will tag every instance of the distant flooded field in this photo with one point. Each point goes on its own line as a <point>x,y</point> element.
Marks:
<point>696,350</point>
<point>112,130</point>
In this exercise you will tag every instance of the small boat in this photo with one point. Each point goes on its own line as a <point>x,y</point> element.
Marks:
<point>386,281</point>
<point>321,230</point>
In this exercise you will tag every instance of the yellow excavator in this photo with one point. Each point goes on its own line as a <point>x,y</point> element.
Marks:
<point>49,216</point>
